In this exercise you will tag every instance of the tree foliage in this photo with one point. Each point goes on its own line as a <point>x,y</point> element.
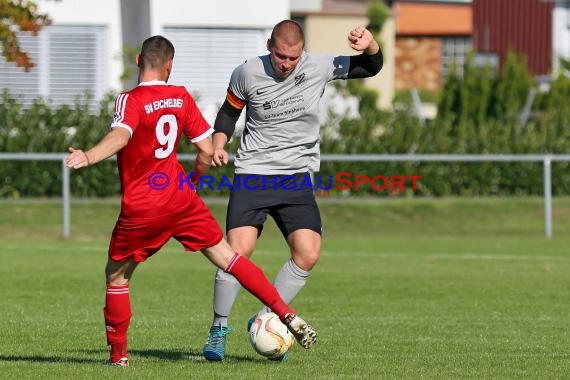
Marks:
<point>19,15</point>
<point>482,95</point>
<point>378,14</point>
<point>478,113</point>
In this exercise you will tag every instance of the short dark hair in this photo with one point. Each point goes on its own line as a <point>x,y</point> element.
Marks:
<point>155,52</point>
<point>289,29</point>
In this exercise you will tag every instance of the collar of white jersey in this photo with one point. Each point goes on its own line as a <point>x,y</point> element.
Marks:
<point>153,83</point>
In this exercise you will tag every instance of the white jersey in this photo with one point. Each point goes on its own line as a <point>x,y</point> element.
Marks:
<point>282,130</point>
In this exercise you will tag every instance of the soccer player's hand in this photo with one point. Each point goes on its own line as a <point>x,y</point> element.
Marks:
<point>77,159</point>
<point>360,38</point>
<point>220,158</point>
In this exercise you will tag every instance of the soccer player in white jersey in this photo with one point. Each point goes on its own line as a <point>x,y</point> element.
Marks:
<point>278,151</point>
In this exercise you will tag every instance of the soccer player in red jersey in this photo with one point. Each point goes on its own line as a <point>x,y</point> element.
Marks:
<point>159,200</point>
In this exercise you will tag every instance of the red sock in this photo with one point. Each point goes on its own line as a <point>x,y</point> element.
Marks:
<point>254,281</point>
<point>117,314</point>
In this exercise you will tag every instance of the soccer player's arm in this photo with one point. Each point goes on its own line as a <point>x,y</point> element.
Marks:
<point>123,125</point>
<point>113,142</point>
<point>224,126</point>
<point>370,62</point>
<point>204,155</point>
<point>198,132</point>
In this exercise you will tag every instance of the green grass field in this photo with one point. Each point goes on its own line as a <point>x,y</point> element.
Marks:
<point>405,289</point>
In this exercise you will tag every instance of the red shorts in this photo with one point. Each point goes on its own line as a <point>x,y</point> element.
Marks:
<point>138,239</point>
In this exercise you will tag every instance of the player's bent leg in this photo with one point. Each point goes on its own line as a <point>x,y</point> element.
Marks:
<point>119,272</point>
<point>250,277</point>
<point>226,288</point>
<point>253,279</point>
<point>243,239</point>
<point>117,311</point>
<point>305,246</point>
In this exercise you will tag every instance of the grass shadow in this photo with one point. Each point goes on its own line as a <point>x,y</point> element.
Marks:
<point>47,359</point>
<point>174,354</point>
<point>182,354</point>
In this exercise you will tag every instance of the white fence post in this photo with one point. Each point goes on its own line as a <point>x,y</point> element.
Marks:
<point>65,199</point>
<point>547,197</point>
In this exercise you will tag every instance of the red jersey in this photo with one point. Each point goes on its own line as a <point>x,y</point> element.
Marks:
<point>153,182</point>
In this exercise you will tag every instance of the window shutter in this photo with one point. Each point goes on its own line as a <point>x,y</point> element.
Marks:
<point>205,58</point>
<point>76,62</point>
<point>69,63</point>
<point>22,85</point>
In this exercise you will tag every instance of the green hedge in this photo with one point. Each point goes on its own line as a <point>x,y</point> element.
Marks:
<point>478,114</point>
<point>45,128</point>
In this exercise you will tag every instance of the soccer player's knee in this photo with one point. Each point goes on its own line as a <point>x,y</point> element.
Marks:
<point>307,259</point>
<point>116,276</point>
<point>313,257</point>
<point>117,279</point>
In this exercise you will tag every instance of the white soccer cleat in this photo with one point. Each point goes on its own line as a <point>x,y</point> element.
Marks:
<point>301,330</point>
<point>123,362</point>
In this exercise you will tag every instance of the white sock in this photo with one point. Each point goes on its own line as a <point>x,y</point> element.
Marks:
<point>288,282</point>
<point>226,289</point>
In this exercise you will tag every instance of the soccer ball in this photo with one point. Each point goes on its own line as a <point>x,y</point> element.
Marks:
<point>269,336</point>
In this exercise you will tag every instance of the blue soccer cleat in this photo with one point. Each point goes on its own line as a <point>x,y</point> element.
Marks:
<point>281,358</point>
<point>215,348</point>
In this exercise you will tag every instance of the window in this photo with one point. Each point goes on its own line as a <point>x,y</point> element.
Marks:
<point>205,58</point>
<point>68,62</point>
<point>454,52</point>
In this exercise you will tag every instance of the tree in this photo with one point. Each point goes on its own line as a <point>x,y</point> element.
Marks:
<point>378,14</point>
<point>512,89</point>
<point>19,15</point>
